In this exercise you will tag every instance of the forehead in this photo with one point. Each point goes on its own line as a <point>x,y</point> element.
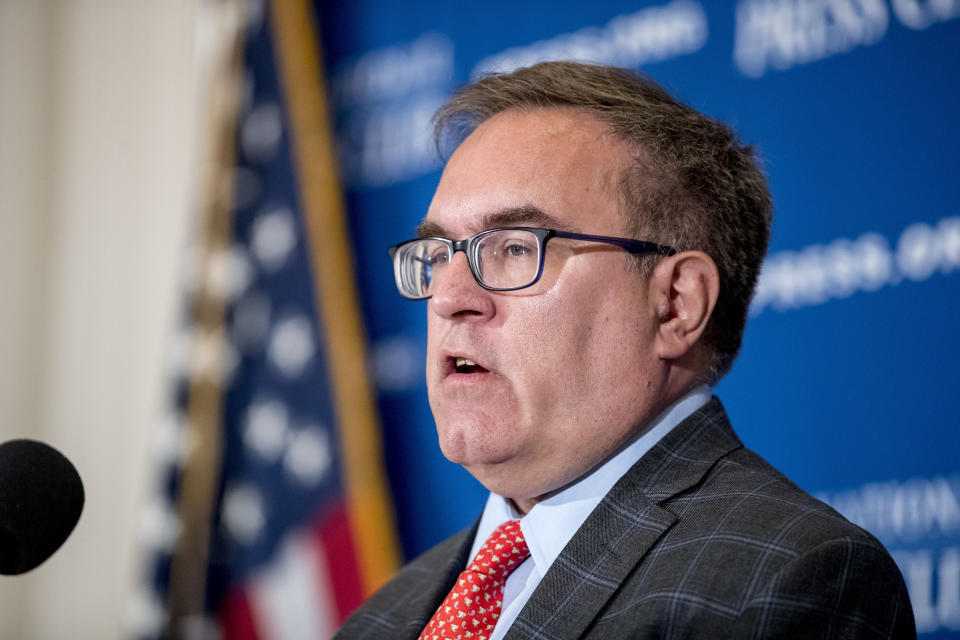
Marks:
<point>551,167</point>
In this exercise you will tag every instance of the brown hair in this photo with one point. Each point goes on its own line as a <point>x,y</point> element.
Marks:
<point>692,184</point>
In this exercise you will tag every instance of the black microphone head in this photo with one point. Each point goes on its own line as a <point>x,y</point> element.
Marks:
<point>41,497</point>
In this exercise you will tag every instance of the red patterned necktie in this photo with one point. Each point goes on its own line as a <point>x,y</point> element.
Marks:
<point>472,607</point>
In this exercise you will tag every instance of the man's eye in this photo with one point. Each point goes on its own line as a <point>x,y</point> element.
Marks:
<point>438,257</point>
<point>516,250</point>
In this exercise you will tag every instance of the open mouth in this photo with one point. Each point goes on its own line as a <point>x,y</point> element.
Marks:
<point>466,365</point>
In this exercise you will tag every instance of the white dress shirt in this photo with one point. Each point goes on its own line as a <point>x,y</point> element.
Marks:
<point>550,524</point>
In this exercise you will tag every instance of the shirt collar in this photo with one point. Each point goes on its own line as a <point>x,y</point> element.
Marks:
<point>551,523</point>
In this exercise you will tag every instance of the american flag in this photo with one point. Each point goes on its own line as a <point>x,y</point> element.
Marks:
<point>272,519</point>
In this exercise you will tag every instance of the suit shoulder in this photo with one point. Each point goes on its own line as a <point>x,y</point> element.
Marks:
<point>756,497</point>
<point>409,599</point>
<point>778,560</point>
<point>846,586</point>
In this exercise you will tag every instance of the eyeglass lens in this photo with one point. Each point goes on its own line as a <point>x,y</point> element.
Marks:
<point>501,259</point>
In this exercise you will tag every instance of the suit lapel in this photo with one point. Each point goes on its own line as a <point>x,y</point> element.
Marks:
<point>591,567</point>
<point>623,528</point>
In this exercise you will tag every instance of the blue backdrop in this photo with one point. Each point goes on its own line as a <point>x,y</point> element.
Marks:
<point>848,370</point>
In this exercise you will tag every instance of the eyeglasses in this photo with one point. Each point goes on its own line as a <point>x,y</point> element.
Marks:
<point>504,259</point>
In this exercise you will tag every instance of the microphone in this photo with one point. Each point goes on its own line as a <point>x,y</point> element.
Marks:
<point>41,497</point>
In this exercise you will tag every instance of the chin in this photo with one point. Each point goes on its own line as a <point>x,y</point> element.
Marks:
<point>469,434</point>
<point>474,453</point>
<point>497,478</point>
<point>474,445</point>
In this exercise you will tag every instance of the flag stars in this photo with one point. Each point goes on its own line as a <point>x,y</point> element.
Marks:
<point>291,346</point>
<point>243,513</point>
<point>261,131</point>
<point>265,428</point>
<point>274,236</point>
<point>308,457</point>
<point>251,321</point>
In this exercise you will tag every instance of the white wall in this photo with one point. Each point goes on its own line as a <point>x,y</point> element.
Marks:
<point>98,110</point>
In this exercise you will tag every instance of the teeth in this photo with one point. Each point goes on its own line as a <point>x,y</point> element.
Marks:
<point>465,362</point>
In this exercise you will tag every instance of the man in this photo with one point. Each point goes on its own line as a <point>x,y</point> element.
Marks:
<point>588,261</point>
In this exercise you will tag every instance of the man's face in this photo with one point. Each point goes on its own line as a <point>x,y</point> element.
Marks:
<point>565,370</point>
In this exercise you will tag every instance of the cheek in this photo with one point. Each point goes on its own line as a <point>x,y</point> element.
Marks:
<point>556,345</point>
<point>592,355</point>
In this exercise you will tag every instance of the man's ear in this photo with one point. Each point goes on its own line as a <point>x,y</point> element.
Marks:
<point>685,287</point>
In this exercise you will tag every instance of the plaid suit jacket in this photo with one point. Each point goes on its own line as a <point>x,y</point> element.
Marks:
<point>700,539</point>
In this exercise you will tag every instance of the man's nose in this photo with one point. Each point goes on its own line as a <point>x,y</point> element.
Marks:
<point>455,294</point>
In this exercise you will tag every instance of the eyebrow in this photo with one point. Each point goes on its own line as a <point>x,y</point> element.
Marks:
<point>526,216</point>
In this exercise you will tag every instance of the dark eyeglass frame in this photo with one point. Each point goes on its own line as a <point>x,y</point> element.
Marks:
<point>542,235</point>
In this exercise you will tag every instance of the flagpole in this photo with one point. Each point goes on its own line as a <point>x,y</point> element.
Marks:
<point>369,506</point>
